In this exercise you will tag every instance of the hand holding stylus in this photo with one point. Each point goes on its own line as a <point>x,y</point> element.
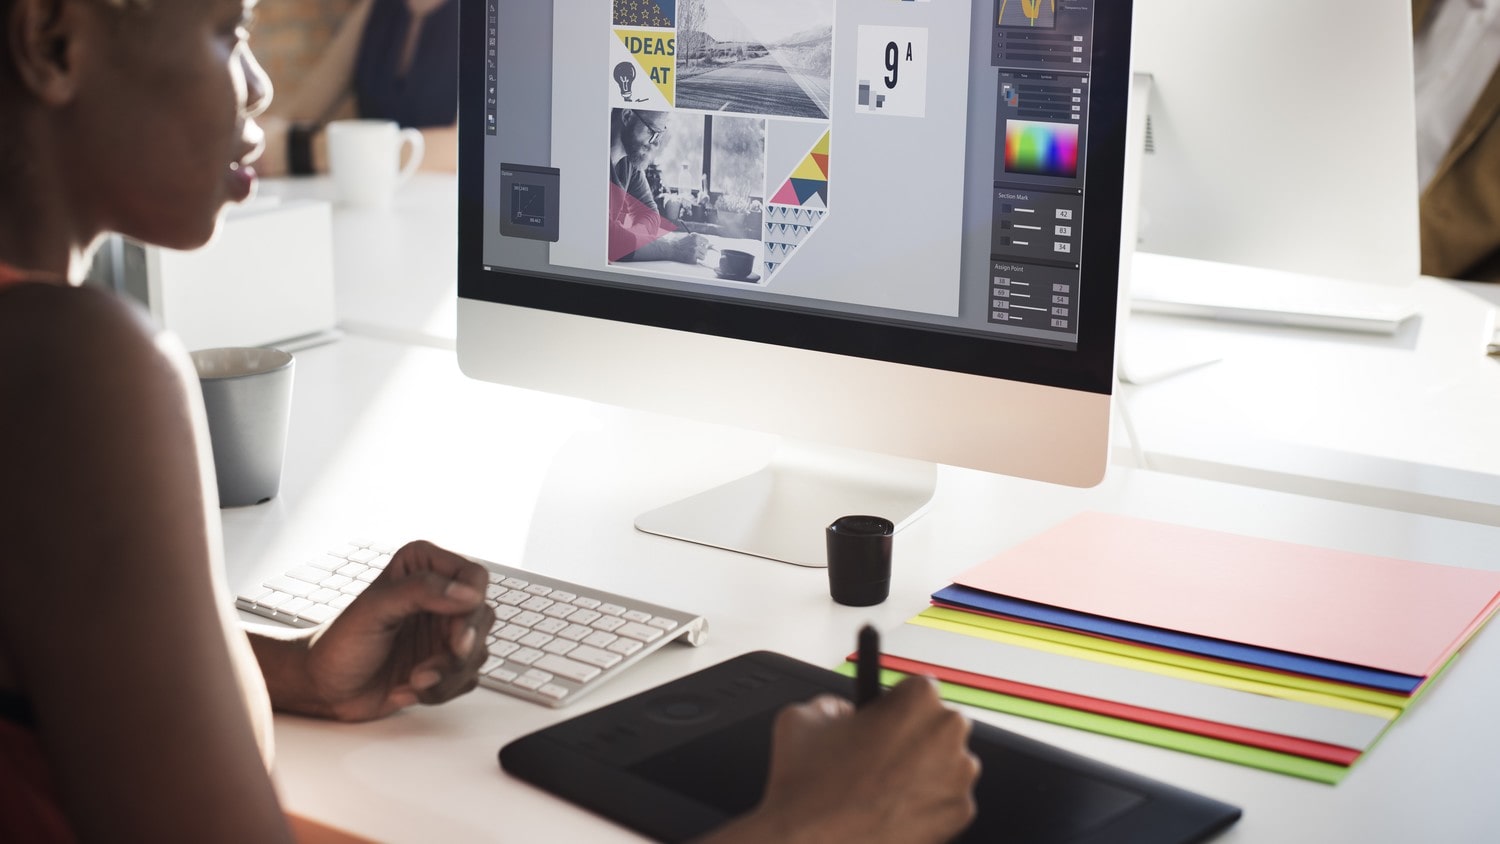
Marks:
<point>896,770</point>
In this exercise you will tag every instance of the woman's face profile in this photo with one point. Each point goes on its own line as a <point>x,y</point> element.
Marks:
<point>164,116</point>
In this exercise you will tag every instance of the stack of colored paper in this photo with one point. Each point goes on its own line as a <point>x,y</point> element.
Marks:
<point>1276,655</point>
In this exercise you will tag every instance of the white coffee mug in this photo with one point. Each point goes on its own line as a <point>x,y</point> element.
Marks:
<point>365,157</point>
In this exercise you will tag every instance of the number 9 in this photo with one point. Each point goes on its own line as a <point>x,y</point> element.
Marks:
<point>892,63</point>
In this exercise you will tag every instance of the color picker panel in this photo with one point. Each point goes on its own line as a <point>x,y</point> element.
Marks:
<point>1041,149</point>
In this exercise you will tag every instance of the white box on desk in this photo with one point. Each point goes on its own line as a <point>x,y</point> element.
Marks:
<point>266,279</point>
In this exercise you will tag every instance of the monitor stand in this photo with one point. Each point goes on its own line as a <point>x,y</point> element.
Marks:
<point>780,511</point>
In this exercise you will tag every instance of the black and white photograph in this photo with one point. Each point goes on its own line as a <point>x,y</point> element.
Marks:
<point>687,194</point>
<point>770,57</point>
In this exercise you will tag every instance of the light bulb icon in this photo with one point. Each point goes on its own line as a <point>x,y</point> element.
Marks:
<point>625,78</point>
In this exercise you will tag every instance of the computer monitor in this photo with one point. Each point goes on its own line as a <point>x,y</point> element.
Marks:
<point>887,231</point>
<point>1281,137</point>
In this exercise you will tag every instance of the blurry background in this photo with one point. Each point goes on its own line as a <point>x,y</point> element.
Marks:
<point>289,34</point>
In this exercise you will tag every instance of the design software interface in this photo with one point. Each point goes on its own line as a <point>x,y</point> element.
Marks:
<point>914,162</point>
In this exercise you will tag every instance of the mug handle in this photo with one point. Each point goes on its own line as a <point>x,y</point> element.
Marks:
<point>412,137</point>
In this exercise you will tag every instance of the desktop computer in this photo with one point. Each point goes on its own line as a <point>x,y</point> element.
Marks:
<point>889,232</point>
<point>1282,141</point>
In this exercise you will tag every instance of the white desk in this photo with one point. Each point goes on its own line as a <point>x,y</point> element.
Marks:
<point>392,442</point>
<point>1405,422</point>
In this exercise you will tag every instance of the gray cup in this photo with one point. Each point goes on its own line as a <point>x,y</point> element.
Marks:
<point>248,396</point>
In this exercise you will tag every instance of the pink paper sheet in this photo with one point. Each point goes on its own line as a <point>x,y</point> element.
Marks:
<point>1377,612</point>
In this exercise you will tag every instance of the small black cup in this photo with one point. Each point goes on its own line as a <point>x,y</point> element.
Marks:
<point>859,560</point>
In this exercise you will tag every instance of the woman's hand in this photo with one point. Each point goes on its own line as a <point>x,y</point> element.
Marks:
<point>898,770</point>
<point>416,634</point>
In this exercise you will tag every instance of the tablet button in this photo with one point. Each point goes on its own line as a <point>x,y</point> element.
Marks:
<point>682,709</point>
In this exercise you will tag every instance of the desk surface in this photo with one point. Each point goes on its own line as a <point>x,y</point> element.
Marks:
<point>390,441</point>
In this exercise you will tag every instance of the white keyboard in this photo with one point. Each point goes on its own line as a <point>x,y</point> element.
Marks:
<point>553,640</point>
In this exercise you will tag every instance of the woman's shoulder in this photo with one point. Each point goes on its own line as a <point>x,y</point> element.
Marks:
<point>78,332</point>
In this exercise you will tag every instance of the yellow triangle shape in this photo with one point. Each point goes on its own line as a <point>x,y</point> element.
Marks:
<point>822,146</point>
<point>809,170</point>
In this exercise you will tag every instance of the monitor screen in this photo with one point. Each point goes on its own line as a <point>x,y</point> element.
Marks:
<point>848,221</point>
<point>1281,142</point>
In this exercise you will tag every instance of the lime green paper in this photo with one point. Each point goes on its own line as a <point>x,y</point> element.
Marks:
<point>1169,663</point>
<point>1268,760</point>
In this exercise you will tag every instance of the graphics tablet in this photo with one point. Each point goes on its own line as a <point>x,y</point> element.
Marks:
<point>679,760</point>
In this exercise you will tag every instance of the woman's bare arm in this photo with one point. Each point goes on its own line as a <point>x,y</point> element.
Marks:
<point>110,620</point>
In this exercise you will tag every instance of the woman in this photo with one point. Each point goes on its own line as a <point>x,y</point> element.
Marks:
<point>398,59</point>
<point>131,705</point>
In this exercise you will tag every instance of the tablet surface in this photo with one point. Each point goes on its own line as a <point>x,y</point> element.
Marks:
<point>678,760</point>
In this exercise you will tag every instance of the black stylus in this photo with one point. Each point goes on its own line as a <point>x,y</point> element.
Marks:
<point>867,667</point>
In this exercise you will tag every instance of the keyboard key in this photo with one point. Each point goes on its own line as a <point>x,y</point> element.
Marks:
<point>307,574</point>
<point>559,647</point>
<point>527,619</point>
<point>364,555</point>
<point>583,616</point>
<point>587,603</point>
<point>327,562</point>
<point>562,596</point>
<point>640,631</point>
<point>596,657</point>
<point>527,681</point>
<point>512,632</point>
<point>504,675</point>
<point>611,609</point>
<point>608,624</point>
<point>599,638</point>
<point>560,610</point>
<point>369,575</point>
<point>335,581</point>
<point>502,648</point>
<point>513,598</point>
<point>554,691</point>
<point>550,625</point>
<point>625,646</point>
<point>663,623</point>
<point>318,613</point>
<point>351,569</point>
<point>491,664</point>
<point>514,583</point>
<point>299,588</point>
<point>536,603</point>
<point>535,639</point>
<point>526,656</point>
<point>353,587</point>
<point>574,632</point>
<point>324,595</point>
<point>575,671</point>
<point>341,601</point>
<point>381,561</point>
<point>273,600</point>
<point>343,551</point>
<point>539,589</point>
<point>294,606</point>
<point>637,615</point>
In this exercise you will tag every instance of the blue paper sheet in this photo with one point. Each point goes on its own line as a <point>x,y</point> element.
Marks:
<point>962,597</point>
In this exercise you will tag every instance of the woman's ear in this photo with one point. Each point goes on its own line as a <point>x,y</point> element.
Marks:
<point>43,40</point>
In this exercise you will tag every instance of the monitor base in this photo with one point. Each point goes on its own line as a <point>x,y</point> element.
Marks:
<point>780,511</point>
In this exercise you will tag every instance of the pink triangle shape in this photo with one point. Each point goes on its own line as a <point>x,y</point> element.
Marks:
<point>787,195</point>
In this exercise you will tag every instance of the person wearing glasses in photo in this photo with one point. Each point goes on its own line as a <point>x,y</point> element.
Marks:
<point>637,229</point>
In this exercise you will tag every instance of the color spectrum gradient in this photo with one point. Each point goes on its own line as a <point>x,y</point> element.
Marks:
<point>1041,149</point>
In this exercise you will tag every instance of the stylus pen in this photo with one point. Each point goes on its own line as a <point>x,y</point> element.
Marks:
<point>867,667</point>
